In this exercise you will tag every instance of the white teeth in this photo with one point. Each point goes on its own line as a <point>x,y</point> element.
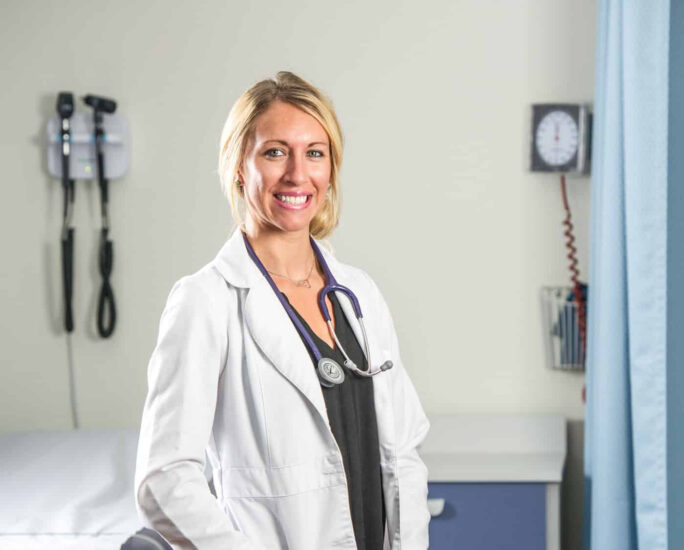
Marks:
<point>301,199</point>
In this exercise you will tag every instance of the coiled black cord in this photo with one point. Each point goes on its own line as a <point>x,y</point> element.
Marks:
<point>106,307</point>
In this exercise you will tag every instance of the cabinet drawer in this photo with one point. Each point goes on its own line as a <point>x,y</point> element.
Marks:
<point>489,516</point>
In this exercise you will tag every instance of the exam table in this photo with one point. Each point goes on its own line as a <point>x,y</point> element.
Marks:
<point>70,490</point>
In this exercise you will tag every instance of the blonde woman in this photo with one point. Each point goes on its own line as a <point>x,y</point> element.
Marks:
<point>310,427</point>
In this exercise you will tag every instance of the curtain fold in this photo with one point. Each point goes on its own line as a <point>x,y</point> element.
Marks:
<point>625,429</point>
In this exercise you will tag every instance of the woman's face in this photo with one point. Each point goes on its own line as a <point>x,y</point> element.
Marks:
<point>286,168</point>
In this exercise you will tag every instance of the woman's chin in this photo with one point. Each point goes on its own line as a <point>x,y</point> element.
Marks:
<point>289,225</point>
<point>292,222</point>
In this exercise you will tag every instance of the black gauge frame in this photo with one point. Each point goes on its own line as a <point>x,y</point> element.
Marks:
<point>580,163</point>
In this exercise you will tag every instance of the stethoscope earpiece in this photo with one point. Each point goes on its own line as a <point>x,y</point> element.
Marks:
<point>387,365</point>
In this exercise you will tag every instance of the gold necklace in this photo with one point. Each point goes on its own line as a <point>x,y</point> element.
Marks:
<point>297,282</point>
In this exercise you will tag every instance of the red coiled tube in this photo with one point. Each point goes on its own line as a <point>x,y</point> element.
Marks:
<point>579,295</point>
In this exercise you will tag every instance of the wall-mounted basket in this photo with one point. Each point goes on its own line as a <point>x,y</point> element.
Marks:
<point>565,344</point>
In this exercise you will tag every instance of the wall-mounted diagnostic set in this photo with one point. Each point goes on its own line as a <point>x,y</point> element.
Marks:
<point>560,142</point>
<point>88,146</point>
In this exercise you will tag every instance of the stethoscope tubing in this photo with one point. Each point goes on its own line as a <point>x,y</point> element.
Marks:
<point>298,324</point>
<point>331,285</point>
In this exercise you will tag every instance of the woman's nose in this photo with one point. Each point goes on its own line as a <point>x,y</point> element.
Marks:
<point>296,169</point>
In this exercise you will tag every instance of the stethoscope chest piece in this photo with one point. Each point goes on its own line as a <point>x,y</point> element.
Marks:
<point>329,372</point>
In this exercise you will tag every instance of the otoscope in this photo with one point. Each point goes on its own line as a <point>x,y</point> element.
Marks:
<point>65,108</point>
<point>102,105</point>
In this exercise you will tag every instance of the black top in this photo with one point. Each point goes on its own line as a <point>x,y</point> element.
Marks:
<point>351,411</point>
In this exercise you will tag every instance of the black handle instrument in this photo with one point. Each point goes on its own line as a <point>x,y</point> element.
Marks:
<point>65,108</point>
<point>106,309</point>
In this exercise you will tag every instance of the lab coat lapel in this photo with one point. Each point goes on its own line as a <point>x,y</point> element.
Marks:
<point>268,323</point>
<point>277,337</point>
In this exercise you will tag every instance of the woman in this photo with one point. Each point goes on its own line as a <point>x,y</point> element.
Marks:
<point>304,456</point>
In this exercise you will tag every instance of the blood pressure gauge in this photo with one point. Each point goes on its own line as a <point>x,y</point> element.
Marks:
<point>561,138</point>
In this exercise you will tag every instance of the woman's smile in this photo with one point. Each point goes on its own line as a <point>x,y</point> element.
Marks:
<point>293,201</point>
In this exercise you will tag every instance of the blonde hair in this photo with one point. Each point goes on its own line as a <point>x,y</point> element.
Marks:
<point>288,88</point>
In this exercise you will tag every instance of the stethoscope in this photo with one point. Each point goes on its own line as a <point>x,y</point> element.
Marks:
<point>329,371</point>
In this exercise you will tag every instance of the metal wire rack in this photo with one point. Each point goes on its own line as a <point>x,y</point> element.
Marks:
<point>565,346</point>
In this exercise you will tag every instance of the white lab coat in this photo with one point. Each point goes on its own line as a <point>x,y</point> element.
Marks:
<point>230,375</point>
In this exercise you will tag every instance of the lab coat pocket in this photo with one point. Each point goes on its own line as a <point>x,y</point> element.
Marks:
<point>279,507</point>
<point>283,481</point>
<point>301,506</point>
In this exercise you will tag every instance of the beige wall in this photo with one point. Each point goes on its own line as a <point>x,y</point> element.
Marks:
<point>433,98</point>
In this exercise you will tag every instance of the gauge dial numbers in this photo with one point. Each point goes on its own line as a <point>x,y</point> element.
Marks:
<point>557,138</point>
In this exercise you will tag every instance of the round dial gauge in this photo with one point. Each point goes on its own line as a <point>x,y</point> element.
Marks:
<point>557,138</point>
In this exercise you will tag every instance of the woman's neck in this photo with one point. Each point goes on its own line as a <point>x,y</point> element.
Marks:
<point>287,253</point>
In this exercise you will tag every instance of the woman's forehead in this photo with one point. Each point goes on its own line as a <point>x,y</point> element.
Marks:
<point>285,122</point>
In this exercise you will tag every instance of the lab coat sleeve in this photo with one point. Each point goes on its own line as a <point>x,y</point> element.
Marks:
<point>171,491</point>
<point>411,426</point>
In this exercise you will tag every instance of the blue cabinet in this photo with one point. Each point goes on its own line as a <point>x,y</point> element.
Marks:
<point>494,480</point>
<point>489,516</point>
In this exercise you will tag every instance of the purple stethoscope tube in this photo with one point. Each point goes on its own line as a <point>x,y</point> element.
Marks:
<point>329,372</point>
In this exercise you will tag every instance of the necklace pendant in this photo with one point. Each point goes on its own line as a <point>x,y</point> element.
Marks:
<point>304,283</point>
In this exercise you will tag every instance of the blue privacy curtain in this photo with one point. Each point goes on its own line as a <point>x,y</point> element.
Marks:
<point>625,430</point>
<point>625,433</point>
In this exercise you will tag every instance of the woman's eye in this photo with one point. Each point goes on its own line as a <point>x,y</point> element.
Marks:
<point>316,154</point>
<point>274,153</point>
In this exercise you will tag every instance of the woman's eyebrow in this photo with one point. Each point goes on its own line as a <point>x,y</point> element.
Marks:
<point>282,142</point>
